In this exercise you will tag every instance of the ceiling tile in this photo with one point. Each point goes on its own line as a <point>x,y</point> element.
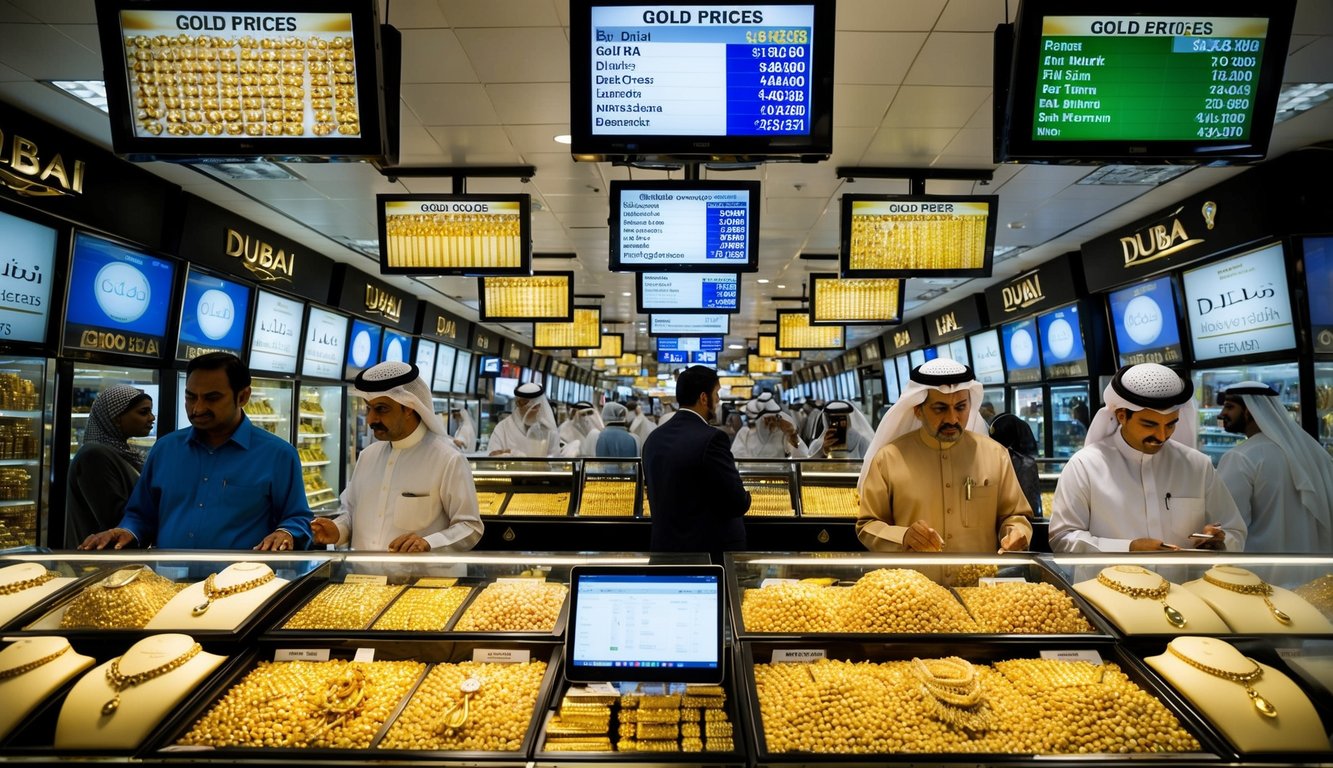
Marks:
<point>435,56</point>
<point>441,104</point>
<point>544,54</point>
<point>59,12</point>
<point>972,16</point>
<point>890,15</point>
<point>29,47</point>
<point>509,13</point>
<point>860,104</point>
<point>954,58</point>
<point>920,107</point>
<point>529,103</point>
<point>459,143</point>
<point>875,58</point>
<point>414,14</point>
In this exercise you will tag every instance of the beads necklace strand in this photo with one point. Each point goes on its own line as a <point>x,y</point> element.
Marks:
<point>213,592</point>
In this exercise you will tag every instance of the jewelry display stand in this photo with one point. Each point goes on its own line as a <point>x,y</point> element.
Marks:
<point>1249,605</point>
<point>23,585</point>
<point>31,670</point>
<point>223,601</point>
<point>119,704</point>
<point>1256,707</point>
<point>1154,610</point>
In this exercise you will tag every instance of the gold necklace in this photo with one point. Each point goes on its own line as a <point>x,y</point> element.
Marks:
<point>1245,679</point>
<point>120,681</point>
<point>1157,593</point>
<point>1262,589</point>
<point>954,689</point>
<point>22,669</point>
<point>18,586</point>
<point>212,592</point>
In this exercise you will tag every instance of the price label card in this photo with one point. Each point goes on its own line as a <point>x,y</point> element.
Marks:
<point>1090,656</point>
<point>592,689</point>
<point>436,582</point>
<point>501,655</point>
<point>301,654</point>
<point>797,655</point>
<point>1289,653</point>
<point>364,654</point>
<point>365,578</point>
<point>990,581</point>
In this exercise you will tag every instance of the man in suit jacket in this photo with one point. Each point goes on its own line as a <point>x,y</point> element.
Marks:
<point>694,490</point>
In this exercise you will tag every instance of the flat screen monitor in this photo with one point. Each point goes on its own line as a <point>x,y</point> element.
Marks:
<point>684,226</point>
<point>1022,353</point>
<point>768,347</point>
<point>687,79</point>
<point>243,78</point>
<point>796,333</point>
<point>903,363</point>
<point>688,325</point>
<point>957,350</point>
<point>363,347</point>
<point>465,376</point>
<point>424,359</point>
<point>855,301</point>
<point>987,359</point>
<point>455,234</point>
<point>687,292</point>
<point>275,340</point>
<point>25,281</point>
<point>1062,351</point>
<point>213,316</point>
<point>488,366</point>
<point>690,343</point>
<point>443,380</point>
<point>325,342</point>
<point>917,235</point>
<point>395,346</point>
<point>1145,323</point>
<point>683,357</point>
<point>612,345</point>
<point>1240,306</point>
<point>892,390</point>
<point>1143,81</point>
<point>539,297</point>
<point>648,623</point>
<point>1318,252</point>
<point>118,299</point>
<point>583,332</point>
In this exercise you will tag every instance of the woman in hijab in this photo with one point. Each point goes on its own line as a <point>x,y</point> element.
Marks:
<point>1015,434</point>
<point>104,471</point>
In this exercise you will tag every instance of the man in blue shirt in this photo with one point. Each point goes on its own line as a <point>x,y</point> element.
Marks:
<point>221,484</point>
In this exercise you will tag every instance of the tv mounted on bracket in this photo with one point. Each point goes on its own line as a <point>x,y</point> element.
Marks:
<point>917,235</point>
<point>684,226</point>
<point>478,234</point>
<point>690,80</point>
<point>1143,81</point>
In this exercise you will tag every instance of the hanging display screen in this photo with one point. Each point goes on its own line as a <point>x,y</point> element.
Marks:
<point>796,333</point>
<point>855,301</point>
<point>455,234</point>
<point>463,378</point>
<point>118,298</point>
<point>425,359</point>
<point>1145,323</point>
<point>1240,306</point>
<point>541,296</point>
<point>25,281</point>
<point>213,315</point>
<point>917,235</point>
<point>325,338</point>
<point>276,339</point>
<point>363,347</point>
<point>688,292</point>
<point>684,226</point>
<point>689,325</point>
<point>611,345</point>
<point>1061,334</point>
<point>690,343</point>
<point>1022,353</point>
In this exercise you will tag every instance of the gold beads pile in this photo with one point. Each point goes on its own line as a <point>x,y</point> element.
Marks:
<point>490,502</point>
<point>499,712</point>
<point>140,595</point>
<point>902,600</point>
<point>422,609</point>
<point>607,498</point>
<point>969,575</point>
<point>1047,503</point>
<point>514,606</point>
<point>1035,608</point>
<point>287,704</point>
<point>1319,593</point>
<point>343,606</point>
<point>839,707</point>
<point>829,501</point>
<point>769,498</point>
<point>802,608</point>
<point>548,504</point>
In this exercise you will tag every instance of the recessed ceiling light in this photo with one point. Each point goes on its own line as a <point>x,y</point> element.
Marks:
<point>735,346</point>
<point>90,92</point>
<point>626,294</point>
<point>762,281</point>
<point>564,138</point>
<point>781,286</point>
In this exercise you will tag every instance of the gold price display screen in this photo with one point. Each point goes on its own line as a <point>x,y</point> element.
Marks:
<point>472,234</point>
<point>855,300</point>
<point>795,332</point>
<point>252,75</point>
<point>907,237</point>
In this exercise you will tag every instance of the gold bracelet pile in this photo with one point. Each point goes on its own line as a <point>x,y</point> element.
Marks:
<point>953,690</point>
<point>22,669</point>
<point>1245,679</point>
<point>19,586</point>
<point>120,681</point>
<point>1262,589</point>
<point>212,592</point>
<point>1158,593</point>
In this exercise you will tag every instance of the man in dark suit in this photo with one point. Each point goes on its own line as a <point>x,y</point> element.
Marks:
<point>694,490</point>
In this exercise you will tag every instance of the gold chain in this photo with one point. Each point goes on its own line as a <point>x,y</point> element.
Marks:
<point>18,586</point>
<point>1262,589</point>
<point>21,669</point>
<point>1158,593</point>
<point>952,686</point>
<point>1245,679</point>
<point>120,681</point>
<point>212,592</point>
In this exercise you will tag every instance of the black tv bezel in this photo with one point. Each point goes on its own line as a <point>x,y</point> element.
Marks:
<point>248,316</point>
<point>254,321</point>
<point>806,314</point>
<point>652,333</point>
<point>1177,309</point>
<point>816,146</point>
<point>524,234</point>
<point>350,372</point>
<point>845,236</point>
<point>565,318</point>
<point>619,187</point>
<point>373,144</point>
<point>596,309</point>
<point>310,309</point>
<point>169,332</point>
<point>816,277</point>
<point>1290,283</point>
<point>1046,374</point>
<point>482,373</point>
<point>1036,350</point>
<point>642,309</point>
<point>1014,106</point>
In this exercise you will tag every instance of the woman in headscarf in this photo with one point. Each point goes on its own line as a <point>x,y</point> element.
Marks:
<point>104,471</point>
<point>1016,435</point>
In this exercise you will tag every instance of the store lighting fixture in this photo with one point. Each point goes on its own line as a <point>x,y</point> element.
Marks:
<point>90,92</point>
<point>735,346</point>
<point>563,138</point>
<point>1113,175</point>
<point>762,281</point>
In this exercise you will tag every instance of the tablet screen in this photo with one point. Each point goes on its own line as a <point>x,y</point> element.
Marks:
<point>650,623</point>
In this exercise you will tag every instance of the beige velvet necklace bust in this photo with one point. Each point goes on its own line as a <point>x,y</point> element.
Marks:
<point>31,669</point>
<point>23,585</point>
<point>1237,595</point>
<point>245,587</point>
<point>1112,592</point>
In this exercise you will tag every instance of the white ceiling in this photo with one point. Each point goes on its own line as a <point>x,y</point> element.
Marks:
<point>486,82</point>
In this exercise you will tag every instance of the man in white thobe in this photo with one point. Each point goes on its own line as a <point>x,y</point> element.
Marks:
<point>530,430</point>
<point>1281,478</point>
<point>772,437</point>
<point>411,491</point>
<point>856,432</point>
<point>1138,484</point>
<point>581,431</point>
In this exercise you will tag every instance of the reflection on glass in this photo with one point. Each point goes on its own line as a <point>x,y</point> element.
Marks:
<point>1212,438</point>
<point>1070,416</point>
<point>1323,399</point>
<point>89,380</point>
<point>1029,405</point>
<point>319,443</point>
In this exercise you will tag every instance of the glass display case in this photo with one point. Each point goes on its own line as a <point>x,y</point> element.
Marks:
<point>25,456</point>
<point>1212,438</point>
<point>524,487</point>
<point>772,487</point>
<point>828,488</point>
<point>611,488</point>
<point>1323,399</point>
<point>1070,417</point>
<point>319,444</point>
<point>1030,405</point>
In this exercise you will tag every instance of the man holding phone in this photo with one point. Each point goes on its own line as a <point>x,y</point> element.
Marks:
<point>846,433</point>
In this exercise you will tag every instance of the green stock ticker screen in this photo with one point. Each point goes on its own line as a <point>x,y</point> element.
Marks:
<point>1147,78</point>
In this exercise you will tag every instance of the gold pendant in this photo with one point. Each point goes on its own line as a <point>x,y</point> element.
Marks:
<point>1264,706</point>
<point>1176,618</point>
<point>1278,613</point>
<point>201,609</point>
<point>111,706</point>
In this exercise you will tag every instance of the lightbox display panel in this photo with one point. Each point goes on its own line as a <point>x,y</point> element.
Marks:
<point>464,378</point>
<point>1240,306</point>
<point>1062,352</point>
<point>917,235</point>
<point>363,347</point>
<point>691,343</point>
<point>987,359</point>
<point>443,380</point>
<point>1022,352</point>
<point>118,298</point>
<point>26,279</point>
<point>427,351</point>
<point>455,234</point>
<point>1145,323</point>
<point>688,292</point>
<point>395,346</point>
<point>275,340</point>
<point>855,300</point>
<point>583,332</point>
<point>768,347</point>
<point>796,333</point>
<point>541,296</point>
<point>688,325</point>
<point>684,226</point>
<point>325,341</point>
<point>612,345</point>
<point>1318,253</point>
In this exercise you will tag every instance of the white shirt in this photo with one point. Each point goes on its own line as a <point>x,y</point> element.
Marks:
<point>757,443</point>
<point>641,426</point>
<point>467,436</point>
<point>420,484</point>
<point>509,435</point>
<point>1111,493</point>
<point>1257,475</point>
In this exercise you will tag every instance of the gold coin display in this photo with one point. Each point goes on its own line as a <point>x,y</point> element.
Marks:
<point>769,498</point>
<point>544,504</point>
<point>1033,608</point>
<point>886,600</point>
<point>607,498</point>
